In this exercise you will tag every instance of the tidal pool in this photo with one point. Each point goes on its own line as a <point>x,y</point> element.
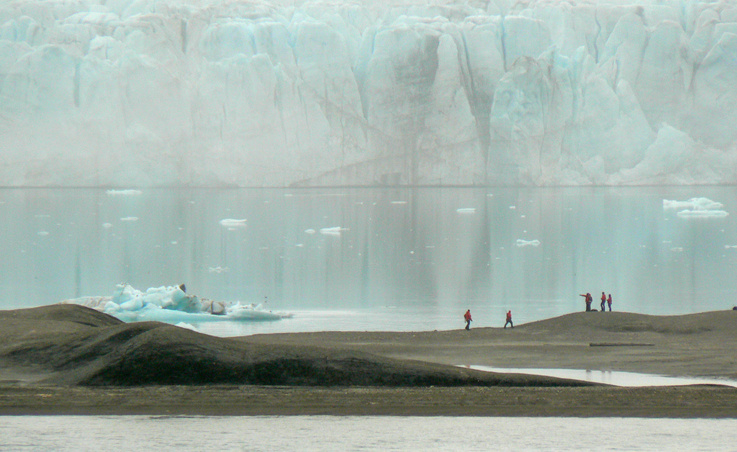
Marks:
<point>615,378</point>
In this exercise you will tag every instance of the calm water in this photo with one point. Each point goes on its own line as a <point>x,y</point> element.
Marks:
<point>321,433</point>
<point>616,378</point>
<point>372,259</point>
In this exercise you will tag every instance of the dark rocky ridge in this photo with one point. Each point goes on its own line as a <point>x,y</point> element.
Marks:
<point>73,345</point>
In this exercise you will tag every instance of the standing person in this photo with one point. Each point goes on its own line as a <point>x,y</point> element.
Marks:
<point>588,298</point>
<point>468,319</point>
<point>609,302</point>
<point>509,319</point>
<point>603,302</point>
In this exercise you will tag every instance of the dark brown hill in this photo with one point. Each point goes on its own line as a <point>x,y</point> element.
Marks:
<point>79,346</point>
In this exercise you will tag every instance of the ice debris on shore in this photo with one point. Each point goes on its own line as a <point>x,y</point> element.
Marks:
<point>170,304</point>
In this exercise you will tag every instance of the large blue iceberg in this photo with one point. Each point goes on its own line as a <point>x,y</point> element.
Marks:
<point>171,304</point>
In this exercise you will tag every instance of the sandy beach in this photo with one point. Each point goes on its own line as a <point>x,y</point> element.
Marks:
<point>66,359</point>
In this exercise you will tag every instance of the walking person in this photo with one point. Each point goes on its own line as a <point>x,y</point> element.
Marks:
<point>609,302</point>
<point>603,302</point>
<point>468,319</point>
<point>509,319</point>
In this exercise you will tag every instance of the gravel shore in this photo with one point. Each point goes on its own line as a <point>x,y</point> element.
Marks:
<point>65,359</point>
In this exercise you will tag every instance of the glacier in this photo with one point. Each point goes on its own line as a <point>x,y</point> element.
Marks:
<point>249,93</point>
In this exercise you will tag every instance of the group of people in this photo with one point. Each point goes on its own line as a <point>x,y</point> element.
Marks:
<point>468,319</point>
<point>605,301</point>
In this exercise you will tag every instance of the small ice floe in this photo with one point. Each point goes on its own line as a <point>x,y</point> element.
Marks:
<point>692,204</point>
<point>466,210</point>
<point>107,225</point>
<point>233,223</point>
<point>43,233</point>
<point>310,231</point>
<point>399,202</point>
<point>129,219</point>
<point>677,249</point>
<point>520,243</point>
<point>218,269</point>
<point>702,213</point>
<point>334,231</point>
<point>726,247</point>
<point>124,192</point>
<point>512,207</point>
<point>696,208</point>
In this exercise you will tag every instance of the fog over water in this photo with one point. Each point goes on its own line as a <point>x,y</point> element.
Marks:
<point>367,259</point>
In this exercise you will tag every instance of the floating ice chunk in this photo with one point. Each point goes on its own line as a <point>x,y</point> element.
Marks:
<point>129,219</point>
<point>702,214</point>
<point>726,247</point>
<point>512,207</point>
<point>43,232</point>
<point>399,202</point>
<point>132,305</point>
<point>218,269</point>
<point>124,192</point>
<point>310,231</point>
<point>521,243</point>
<point>335,231</point>
<point>233,223</point>
<point>696,208</point>
<point>677,249</point>
<point>692,204</point>
<point>466,210</point>
<point>107,225</point>
<point>172,305</point>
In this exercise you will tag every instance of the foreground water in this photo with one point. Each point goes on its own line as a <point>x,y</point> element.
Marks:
<point>322,433</point>
<point>376,259</point>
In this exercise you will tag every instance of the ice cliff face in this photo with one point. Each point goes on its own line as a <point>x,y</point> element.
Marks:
<point>249,93</point>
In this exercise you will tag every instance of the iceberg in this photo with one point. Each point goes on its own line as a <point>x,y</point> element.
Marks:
<point>521,243</point>
<point>233,223</point>
<point>170,304</point>
<point>696,208</point>
<point>237,93</point>
<point>692,204</point>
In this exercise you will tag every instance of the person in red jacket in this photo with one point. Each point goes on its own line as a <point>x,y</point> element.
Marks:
<point>467,318</point>
<point>603,302</point>
<point>609,302</point>
<point>509,319</point>
<point>588,298</point>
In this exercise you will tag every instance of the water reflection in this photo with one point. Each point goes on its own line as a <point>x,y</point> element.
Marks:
<point>431,252</point>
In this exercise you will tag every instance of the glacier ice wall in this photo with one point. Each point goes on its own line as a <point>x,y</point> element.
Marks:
<point>251,93</point>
